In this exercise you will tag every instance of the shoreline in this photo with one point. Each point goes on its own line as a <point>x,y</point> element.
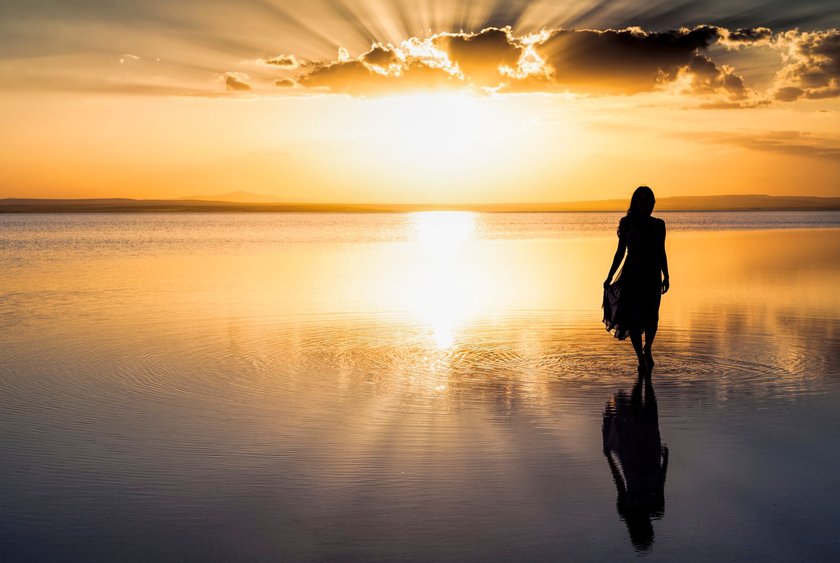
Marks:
<point>704,204</point>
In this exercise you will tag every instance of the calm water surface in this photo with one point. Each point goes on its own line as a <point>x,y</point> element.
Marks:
<point>424,387</point>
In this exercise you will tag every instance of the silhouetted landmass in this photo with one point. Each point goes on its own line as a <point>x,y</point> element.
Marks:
<point>239,197</point>
<point>680,203</point>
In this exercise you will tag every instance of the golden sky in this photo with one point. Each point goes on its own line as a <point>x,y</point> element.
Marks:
<point>418,100</point>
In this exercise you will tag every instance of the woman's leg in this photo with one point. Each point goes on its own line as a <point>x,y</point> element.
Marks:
<point>650,334</point>
<point>636,339</point>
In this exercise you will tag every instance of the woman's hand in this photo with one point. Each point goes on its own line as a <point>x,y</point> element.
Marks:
<point>666,285</point>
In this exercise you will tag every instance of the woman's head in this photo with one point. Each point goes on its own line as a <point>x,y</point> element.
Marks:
<point>642,202</point>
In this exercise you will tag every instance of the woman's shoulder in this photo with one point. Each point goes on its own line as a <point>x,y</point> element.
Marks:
<point>623,225</point>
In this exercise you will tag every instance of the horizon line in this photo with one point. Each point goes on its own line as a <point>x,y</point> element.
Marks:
<point>730,202</point>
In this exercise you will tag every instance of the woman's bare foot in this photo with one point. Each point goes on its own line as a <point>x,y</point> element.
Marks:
<point>649,360</point>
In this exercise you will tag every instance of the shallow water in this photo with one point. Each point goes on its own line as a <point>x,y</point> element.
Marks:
<point>411,387</point>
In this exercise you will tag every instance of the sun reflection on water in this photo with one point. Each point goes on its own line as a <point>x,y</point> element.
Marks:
<point>443,233</point>
<point>442,296</point>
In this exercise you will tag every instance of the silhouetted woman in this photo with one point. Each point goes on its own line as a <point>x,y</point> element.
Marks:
<point>631,302</point>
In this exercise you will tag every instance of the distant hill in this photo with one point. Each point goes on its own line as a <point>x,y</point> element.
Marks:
<point>241,197</point>
<point>681,203</point>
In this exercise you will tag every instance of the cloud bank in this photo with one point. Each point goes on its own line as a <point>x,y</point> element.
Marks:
<point>586,62</point>
<point>812,68</point>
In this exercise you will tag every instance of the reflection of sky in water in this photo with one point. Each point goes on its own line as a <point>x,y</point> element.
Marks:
<point>440,388</point>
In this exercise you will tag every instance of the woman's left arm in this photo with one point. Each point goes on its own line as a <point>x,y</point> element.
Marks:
<point>617,258</point>
<point>663,262</point>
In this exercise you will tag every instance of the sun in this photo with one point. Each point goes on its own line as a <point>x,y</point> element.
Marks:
<point>439,137</point>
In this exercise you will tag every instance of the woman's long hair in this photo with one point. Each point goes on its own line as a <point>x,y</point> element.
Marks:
<point>642,202</point>
<point>641,205</point>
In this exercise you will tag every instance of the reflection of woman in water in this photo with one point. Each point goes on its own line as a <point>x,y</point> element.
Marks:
<point>631,303</point>
<point>638,460</point>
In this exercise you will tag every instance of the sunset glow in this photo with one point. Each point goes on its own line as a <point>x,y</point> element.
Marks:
<point>419,280</point>
<point>417,102</point>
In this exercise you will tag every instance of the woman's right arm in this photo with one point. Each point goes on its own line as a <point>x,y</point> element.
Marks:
<point>619,256</point>
<point>663,262</point>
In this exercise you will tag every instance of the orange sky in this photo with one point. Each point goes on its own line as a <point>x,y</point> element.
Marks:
<point>372,101</point>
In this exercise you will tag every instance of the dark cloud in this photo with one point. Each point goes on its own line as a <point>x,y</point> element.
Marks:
<point>355,77</point>
<point>285,61</point>
<point>589,62</point>
<point>381,56</point>
<point>813,65</point>
<point>789,93</point>
<point>236,81</point>
<point>586,61</point>
<point>745,37</point>
<point>707,78</point>
<point>284,83</point>
<point>750,35</point>
<point>480,55</point>
<point>625,61</point>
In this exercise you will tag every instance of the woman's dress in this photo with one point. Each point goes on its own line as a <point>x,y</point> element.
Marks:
<point>632,301</point>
